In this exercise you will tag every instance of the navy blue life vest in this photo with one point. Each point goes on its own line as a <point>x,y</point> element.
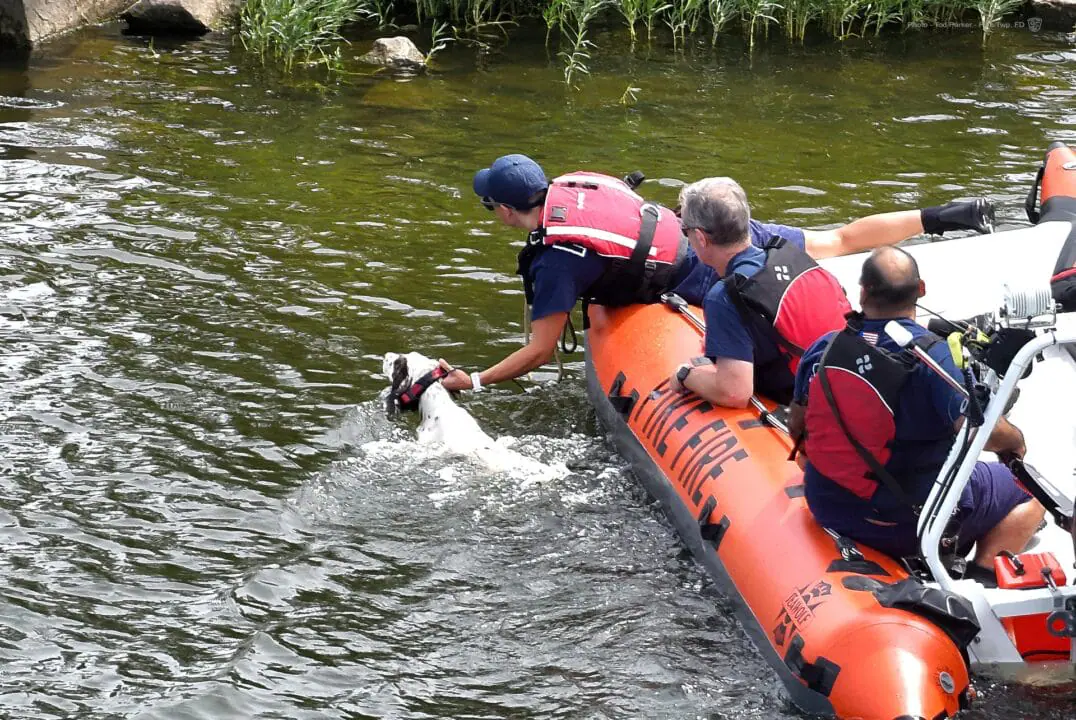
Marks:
<point>852,404</point>
<point>793,301</point>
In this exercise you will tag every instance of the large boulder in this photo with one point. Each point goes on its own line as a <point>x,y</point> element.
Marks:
<point>396,52</point>
<point>1052,15</point>
<point>24,23</point>
<point>178,17</point>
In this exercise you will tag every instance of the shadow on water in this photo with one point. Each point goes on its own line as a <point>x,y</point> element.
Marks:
<point>204,512</point>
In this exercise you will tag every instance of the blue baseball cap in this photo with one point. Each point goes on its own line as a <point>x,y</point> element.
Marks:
<point>511,180</point>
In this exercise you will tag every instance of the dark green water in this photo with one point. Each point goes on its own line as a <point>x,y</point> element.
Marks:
<point>201,267</point>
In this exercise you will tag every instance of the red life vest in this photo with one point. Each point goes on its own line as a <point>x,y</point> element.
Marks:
<point>852,403</point>
<point>792,300</point>
<point>604,215</point>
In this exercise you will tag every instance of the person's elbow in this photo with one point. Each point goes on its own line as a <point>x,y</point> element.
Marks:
<point>730,395</point>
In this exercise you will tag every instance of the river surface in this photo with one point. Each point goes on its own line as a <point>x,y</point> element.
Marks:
<point>201,264</point>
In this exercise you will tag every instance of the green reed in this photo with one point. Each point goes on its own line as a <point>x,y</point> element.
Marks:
<point>290,31</point>
<point>308,31</point>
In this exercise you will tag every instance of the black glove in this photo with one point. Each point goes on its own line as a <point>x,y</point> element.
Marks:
<point>977,215</point>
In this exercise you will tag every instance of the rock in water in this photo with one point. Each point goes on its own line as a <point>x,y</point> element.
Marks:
<point>395,52</point>
<point>177,17</point>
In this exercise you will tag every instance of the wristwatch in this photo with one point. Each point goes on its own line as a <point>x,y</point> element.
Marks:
<point>682,372</point>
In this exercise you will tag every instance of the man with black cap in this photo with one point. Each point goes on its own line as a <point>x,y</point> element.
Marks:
<point>583,227</point>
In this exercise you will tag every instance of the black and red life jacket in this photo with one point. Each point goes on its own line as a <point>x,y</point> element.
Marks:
<point>852,404</point>
<point>793,301</point>
<point>604,215</point>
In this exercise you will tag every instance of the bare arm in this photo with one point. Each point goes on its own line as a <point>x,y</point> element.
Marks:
<point>796,419</point>
<point>864,234</point>
<point>545,332</point>
<point>1006,438</point>
<point>727,382</point>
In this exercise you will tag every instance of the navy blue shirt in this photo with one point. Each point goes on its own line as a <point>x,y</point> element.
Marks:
<point>695,278</point>
<point>561,273</point>
<point>927,410</point>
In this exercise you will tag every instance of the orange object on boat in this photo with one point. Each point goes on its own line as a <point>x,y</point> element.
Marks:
<point>825,614</point>
<point>1057,176</point>
<point>1030,633</point>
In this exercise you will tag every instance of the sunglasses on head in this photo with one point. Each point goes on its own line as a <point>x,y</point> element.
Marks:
<point>488,204</point>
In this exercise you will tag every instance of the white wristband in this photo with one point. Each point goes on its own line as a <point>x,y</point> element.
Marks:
<point>476,382</point>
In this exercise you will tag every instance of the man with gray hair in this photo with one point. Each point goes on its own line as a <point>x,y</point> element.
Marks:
<point>771,303</point>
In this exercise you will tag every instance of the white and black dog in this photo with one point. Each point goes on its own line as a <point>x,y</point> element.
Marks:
<point>415,382</point>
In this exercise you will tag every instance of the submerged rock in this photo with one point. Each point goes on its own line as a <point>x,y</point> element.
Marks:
<point>395,52</point>
<point>1052,15</point>
<point>178,17</point>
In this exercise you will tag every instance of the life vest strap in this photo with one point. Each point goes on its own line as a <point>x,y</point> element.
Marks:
<point>408,399</point>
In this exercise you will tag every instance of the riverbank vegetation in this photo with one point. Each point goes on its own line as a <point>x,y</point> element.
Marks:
<point>311,31</point>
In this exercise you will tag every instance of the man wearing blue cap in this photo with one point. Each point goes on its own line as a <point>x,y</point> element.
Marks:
<point>582,236</point>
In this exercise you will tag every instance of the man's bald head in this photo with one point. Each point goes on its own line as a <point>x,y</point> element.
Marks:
<point>891,283</point>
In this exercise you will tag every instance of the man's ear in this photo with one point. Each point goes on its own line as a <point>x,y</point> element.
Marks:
<point>922,288</point>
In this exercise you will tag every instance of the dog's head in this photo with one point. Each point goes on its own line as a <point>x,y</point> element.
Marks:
<point>404,371</point>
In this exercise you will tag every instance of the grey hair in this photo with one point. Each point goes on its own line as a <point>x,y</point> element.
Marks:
<point>717,205</point>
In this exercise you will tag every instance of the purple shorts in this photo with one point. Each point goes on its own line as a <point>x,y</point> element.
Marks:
<point>990,495</point>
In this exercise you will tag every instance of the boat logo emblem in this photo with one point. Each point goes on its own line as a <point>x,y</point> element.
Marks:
<point>946,681</point>
<point>798,610</point>
<point>1034,24</point>
<point>781,271</point>
<point>1069,165</point>
<point>863,365</point>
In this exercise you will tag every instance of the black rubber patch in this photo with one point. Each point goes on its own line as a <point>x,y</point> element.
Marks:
<point>819,675</point>
<point>748,424</point>
<point>861,566</point>
<point>714,533</point>
<point>861,583</point>
<point>622,404</point>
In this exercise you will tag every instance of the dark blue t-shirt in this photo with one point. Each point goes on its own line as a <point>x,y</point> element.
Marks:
<point>562,273</point>
<point>926,413</point>
<point>695,278</point>
<point>728,336</point>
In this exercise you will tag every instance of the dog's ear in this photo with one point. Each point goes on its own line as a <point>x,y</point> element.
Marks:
<point>400,375</point>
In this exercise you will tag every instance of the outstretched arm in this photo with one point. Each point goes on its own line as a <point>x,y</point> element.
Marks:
<point>545,332</point>
<point>863,234</point>
<point>890,228</point>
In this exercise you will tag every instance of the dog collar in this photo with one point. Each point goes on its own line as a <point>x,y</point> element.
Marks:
<point>408,399</point>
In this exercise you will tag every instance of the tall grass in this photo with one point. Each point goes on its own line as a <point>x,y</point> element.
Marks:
<point>294,32</point>
<point>576,21</point>
<point>991,11</point>
<point>290,31</point>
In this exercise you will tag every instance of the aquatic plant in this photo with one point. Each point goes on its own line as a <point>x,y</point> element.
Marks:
<point>296,30</point>
<point>440,37</point>
<point>756,16</point>
<point>797,15</point>
<point>991,11</point>
<point>579,15</point>
<point>719,12</point>
<point>630,96</point>
<point>683,19</point>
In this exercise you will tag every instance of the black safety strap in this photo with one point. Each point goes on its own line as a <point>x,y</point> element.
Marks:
<point>408,399</point>
<point>1033,196</point>
<point>641,253</point>
<point>876,467</point>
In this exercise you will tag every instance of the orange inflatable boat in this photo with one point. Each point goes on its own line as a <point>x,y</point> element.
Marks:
<point>848,631</point>
<point>724,478</point>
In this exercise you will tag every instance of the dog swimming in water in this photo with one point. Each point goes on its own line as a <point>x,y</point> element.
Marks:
<point>416,386</point>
